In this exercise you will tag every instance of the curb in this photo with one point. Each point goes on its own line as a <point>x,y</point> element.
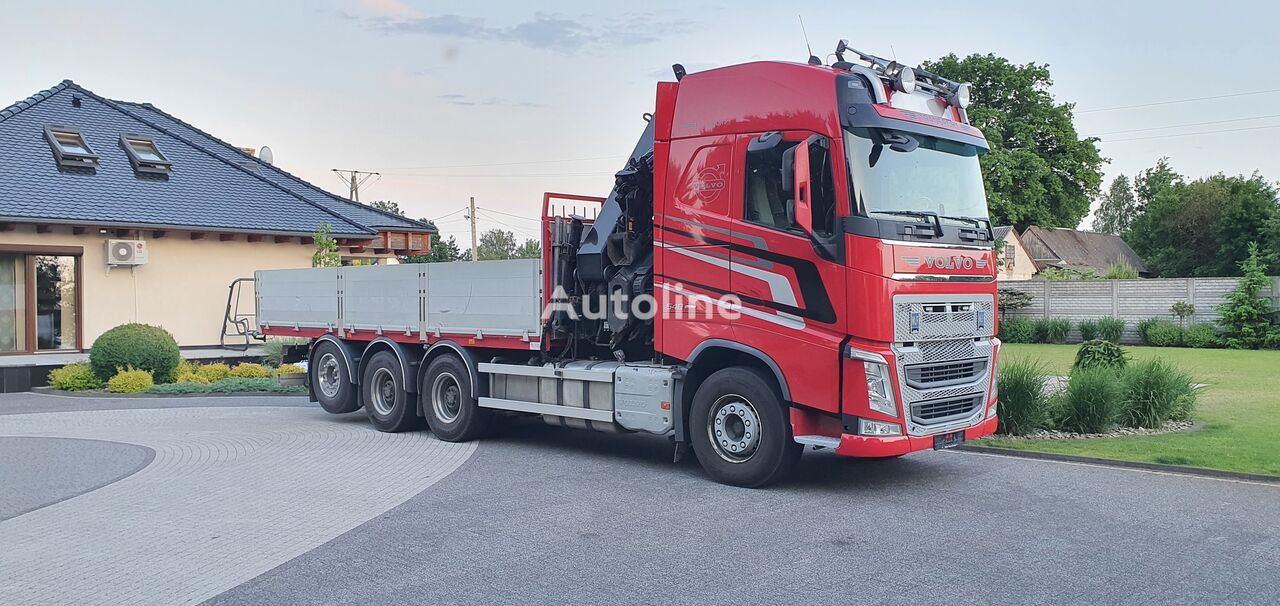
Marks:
<point>49,391</point>
<point>1172,469</point>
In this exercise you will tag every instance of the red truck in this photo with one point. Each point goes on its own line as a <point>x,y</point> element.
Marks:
<point>794,254</point>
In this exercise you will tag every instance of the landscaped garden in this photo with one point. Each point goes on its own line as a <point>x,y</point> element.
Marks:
<point>138,358</point>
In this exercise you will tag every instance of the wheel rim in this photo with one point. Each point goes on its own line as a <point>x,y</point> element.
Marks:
<point>734,428</point>
<point>382,391</point>
<point>328,375</point>
<point>446,397</point>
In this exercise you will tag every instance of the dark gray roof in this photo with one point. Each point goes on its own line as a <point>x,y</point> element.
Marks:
<point>213,185</point>
<point>1078,250</point>
<point>1001,232</point>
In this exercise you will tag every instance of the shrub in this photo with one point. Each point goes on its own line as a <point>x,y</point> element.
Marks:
<point>1121,271</point>
<point>185,366</point>
<point>131,380</point>
<point>1182,311</point>
<point>74,377</point>
<point>290,369</point>
<point>1246,316</point>
<point>1055,330</point>
<point>138,346</point>
<point>1111,329</point>
<point>1201,335</point>
<point>1093,400</point>
<point>1164,334</point>
<point>1088,330</point>
<point>249,370</point>
<point>1156,392</point>
<point>191,377</point>
<point>1143,327</point>
<point>232,385</point>
<point>1017,330</point>
<point>215,372</point>
<point>273,349</point>
<point>1012,299</point>
<point>1020,387</point>
<point>1100,354</point>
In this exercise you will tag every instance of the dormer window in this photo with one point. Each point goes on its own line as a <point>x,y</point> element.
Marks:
<point>69,147</point>
<point>144,155</point>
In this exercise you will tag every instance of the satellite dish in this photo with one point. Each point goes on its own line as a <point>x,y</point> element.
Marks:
<point>265,155</point>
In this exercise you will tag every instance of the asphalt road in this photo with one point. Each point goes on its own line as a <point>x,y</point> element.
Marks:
<point>540,514</point>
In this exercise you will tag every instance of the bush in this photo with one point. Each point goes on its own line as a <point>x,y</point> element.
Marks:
<point>1246,315</point>
<point>290,369</point>
<point>1111,329</point>
<point>1093,400</point>
<point>1143,327</point>
<point>1164,333</point>
<point>1201,335</point>
<point>249,370</point>
<point>1120,271</point>
<point>232,385</point>
<point>1012,299</point>
<point>215,372</point>
<point>1017,330</point>
<point>138,346</point>
<point>191,377</point>
<point>185,366</point>
<point>74,377</point>
<point>273,349</point>
<point>1088,330</point>
<point>1100,354</point>
<point>1055,330</point>
<point>1182,311</point>
<point>131,380</point>
<point>1156,392</point>
<point>1022,404</point>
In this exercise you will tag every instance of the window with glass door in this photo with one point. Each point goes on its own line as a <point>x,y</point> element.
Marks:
<point>39,302</point>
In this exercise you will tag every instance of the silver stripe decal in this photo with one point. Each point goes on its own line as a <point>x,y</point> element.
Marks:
<point>757,241</point>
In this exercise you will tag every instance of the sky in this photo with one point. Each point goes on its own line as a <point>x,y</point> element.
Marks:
<point>501,101</point>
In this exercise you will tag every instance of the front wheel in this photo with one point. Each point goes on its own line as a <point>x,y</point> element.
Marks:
<point>740,429</point>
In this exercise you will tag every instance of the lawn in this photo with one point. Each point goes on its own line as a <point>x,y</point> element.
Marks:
<point>1239,410</point>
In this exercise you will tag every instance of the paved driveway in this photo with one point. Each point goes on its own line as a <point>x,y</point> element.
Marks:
<point>310,508</point>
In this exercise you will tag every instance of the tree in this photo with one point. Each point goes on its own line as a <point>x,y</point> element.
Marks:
<point>1039,170</point>
<point>1150,182</point>
<point>326,254</point>
<point>531,249</point>
<point>1246,316</point>
<point>496,244</point>
<point>1117,210</point>
<point>1204,228</point>
<point>387,206</point>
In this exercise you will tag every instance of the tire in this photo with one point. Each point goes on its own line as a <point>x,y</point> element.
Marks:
<point>449,401</point>
<point>741,430</point>
<point>391,408</point>
<point>330,380</point>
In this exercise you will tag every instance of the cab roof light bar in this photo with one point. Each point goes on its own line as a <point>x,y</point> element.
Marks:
<point>906,79</point>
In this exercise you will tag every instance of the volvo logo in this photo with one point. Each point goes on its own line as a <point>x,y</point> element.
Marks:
<point>948,262</point>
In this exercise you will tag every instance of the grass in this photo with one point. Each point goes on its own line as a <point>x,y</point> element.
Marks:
<point>1239,410</point>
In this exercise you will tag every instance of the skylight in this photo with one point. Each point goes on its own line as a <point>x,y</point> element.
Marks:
<point>69,147</point>
<point>144,155</point>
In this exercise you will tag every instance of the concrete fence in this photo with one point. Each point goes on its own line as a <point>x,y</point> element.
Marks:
<point>1130,300</point>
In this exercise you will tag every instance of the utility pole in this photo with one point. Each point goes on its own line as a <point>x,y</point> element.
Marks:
<point>354,179</point>
<point>475,252</point>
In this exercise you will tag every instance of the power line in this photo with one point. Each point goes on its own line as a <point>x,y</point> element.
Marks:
<point>354,179</point>
<point>448,166</point>
<point>1171,102</point>
<point>493,175</point>
<point>1137,130</point>
<point>1207,132</point>
<point>490,210</point>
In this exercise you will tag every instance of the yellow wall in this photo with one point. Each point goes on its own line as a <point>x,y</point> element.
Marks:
<point>183,286</point>
<point>1022,268</point>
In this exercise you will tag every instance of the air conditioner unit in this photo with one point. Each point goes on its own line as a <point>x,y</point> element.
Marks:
<point>126,252</point>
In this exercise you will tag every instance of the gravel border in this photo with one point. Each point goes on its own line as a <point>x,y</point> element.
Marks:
<point>50,391</point>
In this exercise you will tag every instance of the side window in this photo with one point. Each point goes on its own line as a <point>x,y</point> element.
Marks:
<point>766,203</point>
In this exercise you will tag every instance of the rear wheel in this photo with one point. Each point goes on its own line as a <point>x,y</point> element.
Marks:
<point>330,381</point>
<point>450,405</point>
<point>391,408</point>
<point>740,429</point>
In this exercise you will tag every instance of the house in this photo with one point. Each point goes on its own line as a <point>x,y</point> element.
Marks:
<point>1082,251</point>
<point>1014,262</point>
<point>114,212</point>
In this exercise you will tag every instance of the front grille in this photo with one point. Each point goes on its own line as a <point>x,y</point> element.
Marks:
<point>947,409</point>
<point>931,376</point>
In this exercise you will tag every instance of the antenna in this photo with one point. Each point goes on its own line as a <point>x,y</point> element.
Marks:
<point>813,59</point>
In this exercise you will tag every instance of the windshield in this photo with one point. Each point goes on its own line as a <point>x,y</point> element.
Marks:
<point>938,176</point>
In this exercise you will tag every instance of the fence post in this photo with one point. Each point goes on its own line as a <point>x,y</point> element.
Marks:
<point>1046,298</point>
<point>1191,297</point>
<point>1115,298</point>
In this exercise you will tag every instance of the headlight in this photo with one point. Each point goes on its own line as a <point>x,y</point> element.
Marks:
<point>877,428</point>
<point>906,81</point>
<point>962,95</point>
<point>880,388</point>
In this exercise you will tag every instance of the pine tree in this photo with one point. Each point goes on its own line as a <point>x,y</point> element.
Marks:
<point>1246,316</point>
<point>1117,210</point>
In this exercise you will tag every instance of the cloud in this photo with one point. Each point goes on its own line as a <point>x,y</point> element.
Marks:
<point>393,9</point>
<point>460,99</point>
<point>544,31</point>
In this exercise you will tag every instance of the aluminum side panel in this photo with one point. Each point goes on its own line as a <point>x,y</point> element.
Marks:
<point>489,297</point>
<point>382,297</point>
<point>306,298</point>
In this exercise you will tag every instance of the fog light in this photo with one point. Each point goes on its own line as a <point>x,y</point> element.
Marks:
<point>877,428</point>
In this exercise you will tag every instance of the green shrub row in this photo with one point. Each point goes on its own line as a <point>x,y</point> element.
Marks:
<point>1098,395</point>
<point>1058,330</point>
<point>228,385</point>
<point>1164,333</point>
